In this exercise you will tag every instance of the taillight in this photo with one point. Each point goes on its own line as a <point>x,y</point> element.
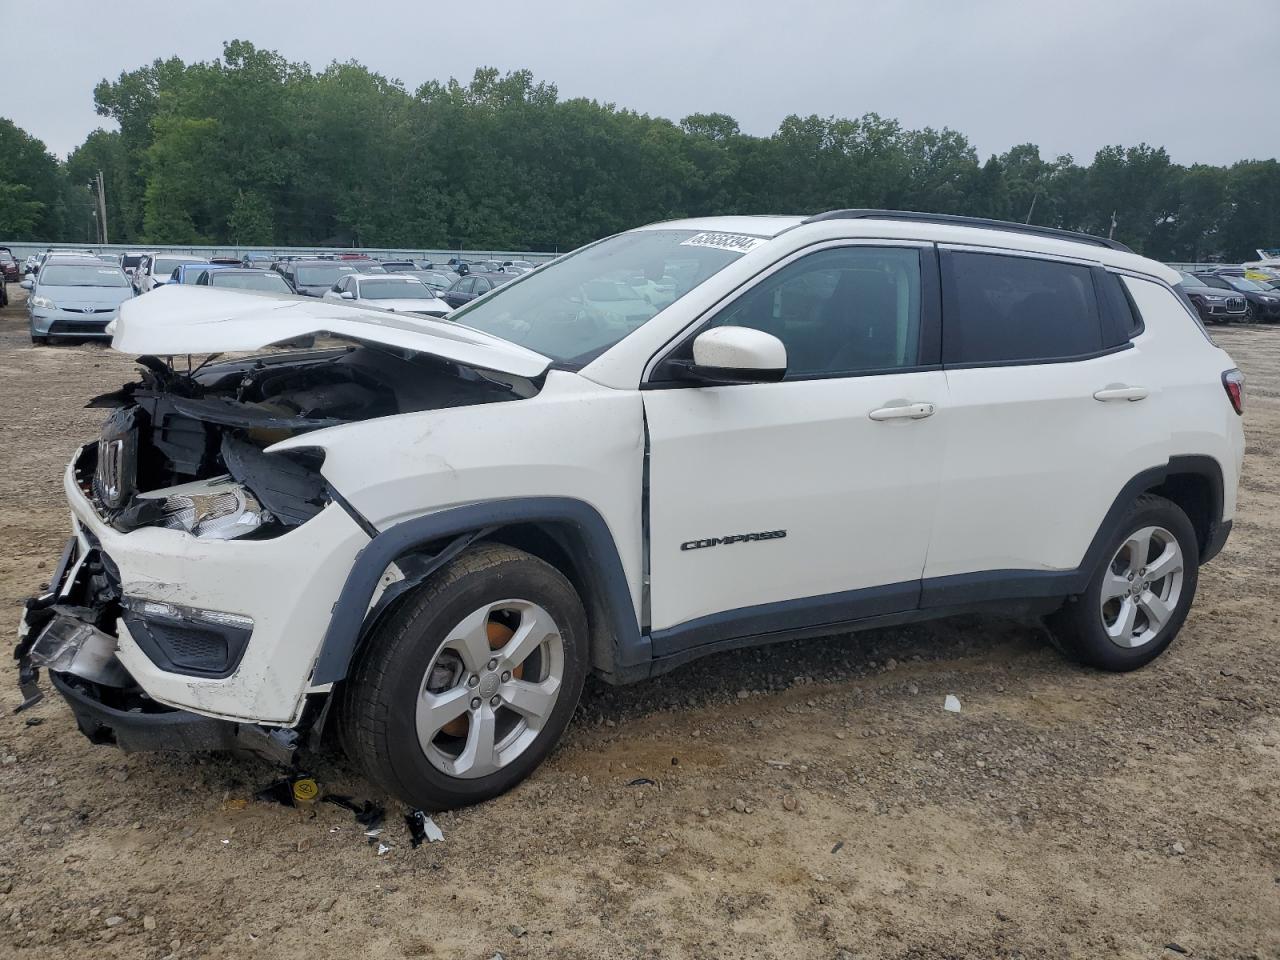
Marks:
<point>1233,383</point>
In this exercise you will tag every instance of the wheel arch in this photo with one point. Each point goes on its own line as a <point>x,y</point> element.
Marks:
<point>1195,484</point>
<point>569,534</point>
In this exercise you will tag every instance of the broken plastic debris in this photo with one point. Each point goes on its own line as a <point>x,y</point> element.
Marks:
<point>382,848</point>
<point>640,782</point>
<point>951,704</point>
<point>369,814</point>
<point>422,827</point>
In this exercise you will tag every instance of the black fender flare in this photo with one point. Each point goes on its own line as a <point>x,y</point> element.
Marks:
<point>347,624</point>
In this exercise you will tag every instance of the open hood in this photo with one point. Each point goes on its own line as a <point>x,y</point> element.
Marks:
<point>177,319</point>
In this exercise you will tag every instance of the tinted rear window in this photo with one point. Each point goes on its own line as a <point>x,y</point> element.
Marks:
<point>999,308</point>
<point>1127,320</point>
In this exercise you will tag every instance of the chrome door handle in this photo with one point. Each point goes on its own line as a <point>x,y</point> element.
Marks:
<point>1120,391</point>
<point>903,411</point>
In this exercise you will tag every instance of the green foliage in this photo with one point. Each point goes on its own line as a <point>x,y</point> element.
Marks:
<point>253,149</point>
<point>32,204</point>
<point>18,212</point>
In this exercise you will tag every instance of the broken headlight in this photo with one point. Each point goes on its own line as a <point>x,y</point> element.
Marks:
<point>223,512</point>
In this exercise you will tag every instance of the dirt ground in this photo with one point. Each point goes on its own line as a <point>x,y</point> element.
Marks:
<point>809,800</point>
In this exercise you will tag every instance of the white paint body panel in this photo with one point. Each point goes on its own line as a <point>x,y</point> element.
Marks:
<point>574,439</point>
<point>287,585</point>
<point>179,319</point>
<point>855,496</point>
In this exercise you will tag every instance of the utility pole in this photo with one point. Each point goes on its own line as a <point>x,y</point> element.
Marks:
<point>102,207</point>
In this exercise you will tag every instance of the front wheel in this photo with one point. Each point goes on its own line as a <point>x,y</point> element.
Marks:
<point>466,687</point>
<point>1140,594</point>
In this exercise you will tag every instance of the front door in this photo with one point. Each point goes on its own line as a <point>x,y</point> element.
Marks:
<point>782,506</point>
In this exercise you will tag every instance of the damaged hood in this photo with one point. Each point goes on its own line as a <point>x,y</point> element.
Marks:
<point>178,319</point>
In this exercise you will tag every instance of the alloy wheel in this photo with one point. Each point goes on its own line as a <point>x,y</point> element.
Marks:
<point>490,688</point>
<point>1141,587</point>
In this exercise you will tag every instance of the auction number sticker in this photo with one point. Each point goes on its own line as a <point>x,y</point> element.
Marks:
<point>733,242</point>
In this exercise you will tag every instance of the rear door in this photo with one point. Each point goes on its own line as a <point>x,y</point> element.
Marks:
<point>779,506</point>
<point>1051,412</point>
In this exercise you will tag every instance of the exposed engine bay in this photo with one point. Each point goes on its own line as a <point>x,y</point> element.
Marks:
<point>185,449</point>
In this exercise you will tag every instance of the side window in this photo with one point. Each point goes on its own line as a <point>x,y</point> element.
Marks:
<point>1001,308</point>
<point>840,311</point>
<point>482,286</point>
<point>1125,316</point>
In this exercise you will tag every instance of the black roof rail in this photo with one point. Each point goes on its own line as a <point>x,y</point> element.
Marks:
<point>980,222</point>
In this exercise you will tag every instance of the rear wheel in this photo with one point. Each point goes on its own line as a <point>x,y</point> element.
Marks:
<point>1140,594</point>
<point>463,691</point>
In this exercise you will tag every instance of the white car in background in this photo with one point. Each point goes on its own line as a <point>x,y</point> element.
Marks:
<point>154,270</point>
<point>390,291</point>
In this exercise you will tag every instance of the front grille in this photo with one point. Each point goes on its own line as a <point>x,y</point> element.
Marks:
<point>115,475</point>
<point>83,327</point>
<point>1235,305</point>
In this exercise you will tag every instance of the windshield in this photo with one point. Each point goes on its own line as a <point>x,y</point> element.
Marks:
<point>266,282</point>
<point>55,275</point>
<point>437,280</point>
<point>604,290</point>
<point>551,311</point>
<point>322,275</point>
<point>395,290</point>
<point>1240,283</point>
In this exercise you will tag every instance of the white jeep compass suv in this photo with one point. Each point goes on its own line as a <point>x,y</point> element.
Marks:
<point>428,532</point>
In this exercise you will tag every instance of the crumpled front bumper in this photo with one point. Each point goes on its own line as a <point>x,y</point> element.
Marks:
<point>285,586</point>
<point>61,635</point>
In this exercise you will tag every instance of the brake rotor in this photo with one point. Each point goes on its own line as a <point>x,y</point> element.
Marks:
<point>499,634</point>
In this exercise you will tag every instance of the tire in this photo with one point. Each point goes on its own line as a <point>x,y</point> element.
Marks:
<point>415,657</point>
<point>1080,628</point>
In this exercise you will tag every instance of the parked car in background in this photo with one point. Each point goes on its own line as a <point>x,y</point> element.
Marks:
<point>398,266</point>
<point>192,272</point>
<point>29,265</point>
<point>10,271</point>
<point>365,264</point>
<point>394,292</point>
<point>132,258</point>
<point>1263,302</point>
<point>614,305</point>
<point>244,278</point>
<point>154,271</point>
<point>257,261</point>
<point>516,266</point>
<point>466,288</point>
<point>436,279</point>
<point>312,278</point>
<point>1213,304</point>
<point>74,297</point>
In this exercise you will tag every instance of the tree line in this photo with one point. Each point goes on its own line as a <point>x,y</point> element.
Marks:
<point>252,149</point>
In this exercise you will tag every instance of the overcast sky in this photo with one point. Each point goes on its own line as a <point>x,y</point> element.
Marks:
<point>1199,78</point>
